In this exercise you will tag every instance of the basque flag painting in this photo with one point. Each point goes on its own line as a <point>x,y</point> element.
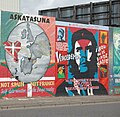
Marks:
<point>12,48</point>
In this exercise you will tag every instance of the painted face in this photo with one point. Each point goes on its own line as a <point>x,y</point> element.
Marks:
<point>60,34</point>
<point>83,49</point>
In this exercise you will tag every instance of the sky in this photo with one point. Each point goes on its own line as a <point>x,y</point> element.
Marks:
<point>32,6</point>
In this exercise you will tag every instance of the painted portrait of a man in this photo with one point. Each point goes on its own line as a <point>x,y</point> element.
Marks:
<point>83,69</point>
<point>60,34</point>
<point>84,47</point>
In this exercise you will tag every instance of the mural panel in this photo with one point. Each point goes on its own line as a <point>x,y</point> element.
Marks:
<point>115,61</point>
<point>83,56</point>
<point>27,56</point>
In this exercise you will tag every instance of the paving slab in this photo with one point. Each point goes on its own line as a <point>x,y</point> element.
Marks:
<point>10,103</point>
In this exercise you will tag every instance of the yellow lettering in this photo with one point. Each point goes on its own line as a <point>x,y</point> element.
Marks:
<point>17,84</point>
<point>34,84</point>
<point>7,84</point>
<point>49,83</point>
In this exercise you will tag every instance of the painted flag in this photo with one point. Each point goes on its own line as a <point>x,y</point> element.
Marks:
<point>12,48</point>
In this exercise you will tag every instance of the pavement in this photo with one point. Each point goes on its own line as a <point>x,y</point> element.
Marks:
<point>13,103</point>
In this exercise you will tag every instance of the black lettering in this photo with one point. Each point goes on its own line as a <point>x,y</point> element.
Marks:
<point>27,18</point>
<point>47,21</point>
<point>43,20</point>
<point>18,17</point>
<point>34,19</point>
<point>31,18</point>
<point>24,18</point>
<point>38,19</point>
<point>11,16</point>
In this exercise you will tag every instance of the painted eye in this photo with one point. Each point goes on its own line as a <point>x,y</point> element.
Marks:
<point>89,54</point>
<point>90,50</point>
<point>77,50</point>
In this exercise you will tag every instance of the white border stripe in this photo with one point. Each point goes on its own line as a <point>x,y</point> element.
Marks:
<point>7,79</point>
<point>13,79</point>
<point>47,78</point>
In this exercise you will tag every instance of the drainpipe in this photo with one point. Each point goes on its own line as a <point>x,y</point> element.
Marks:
<point>91,12</point>
<point>110,12</point>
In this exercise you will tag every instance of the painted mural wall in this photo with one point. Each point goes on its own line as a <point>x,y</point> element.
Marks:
<point>43,57</point>
<point>82,59</point>
<point>27,47</point>
<point>114,61</point>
